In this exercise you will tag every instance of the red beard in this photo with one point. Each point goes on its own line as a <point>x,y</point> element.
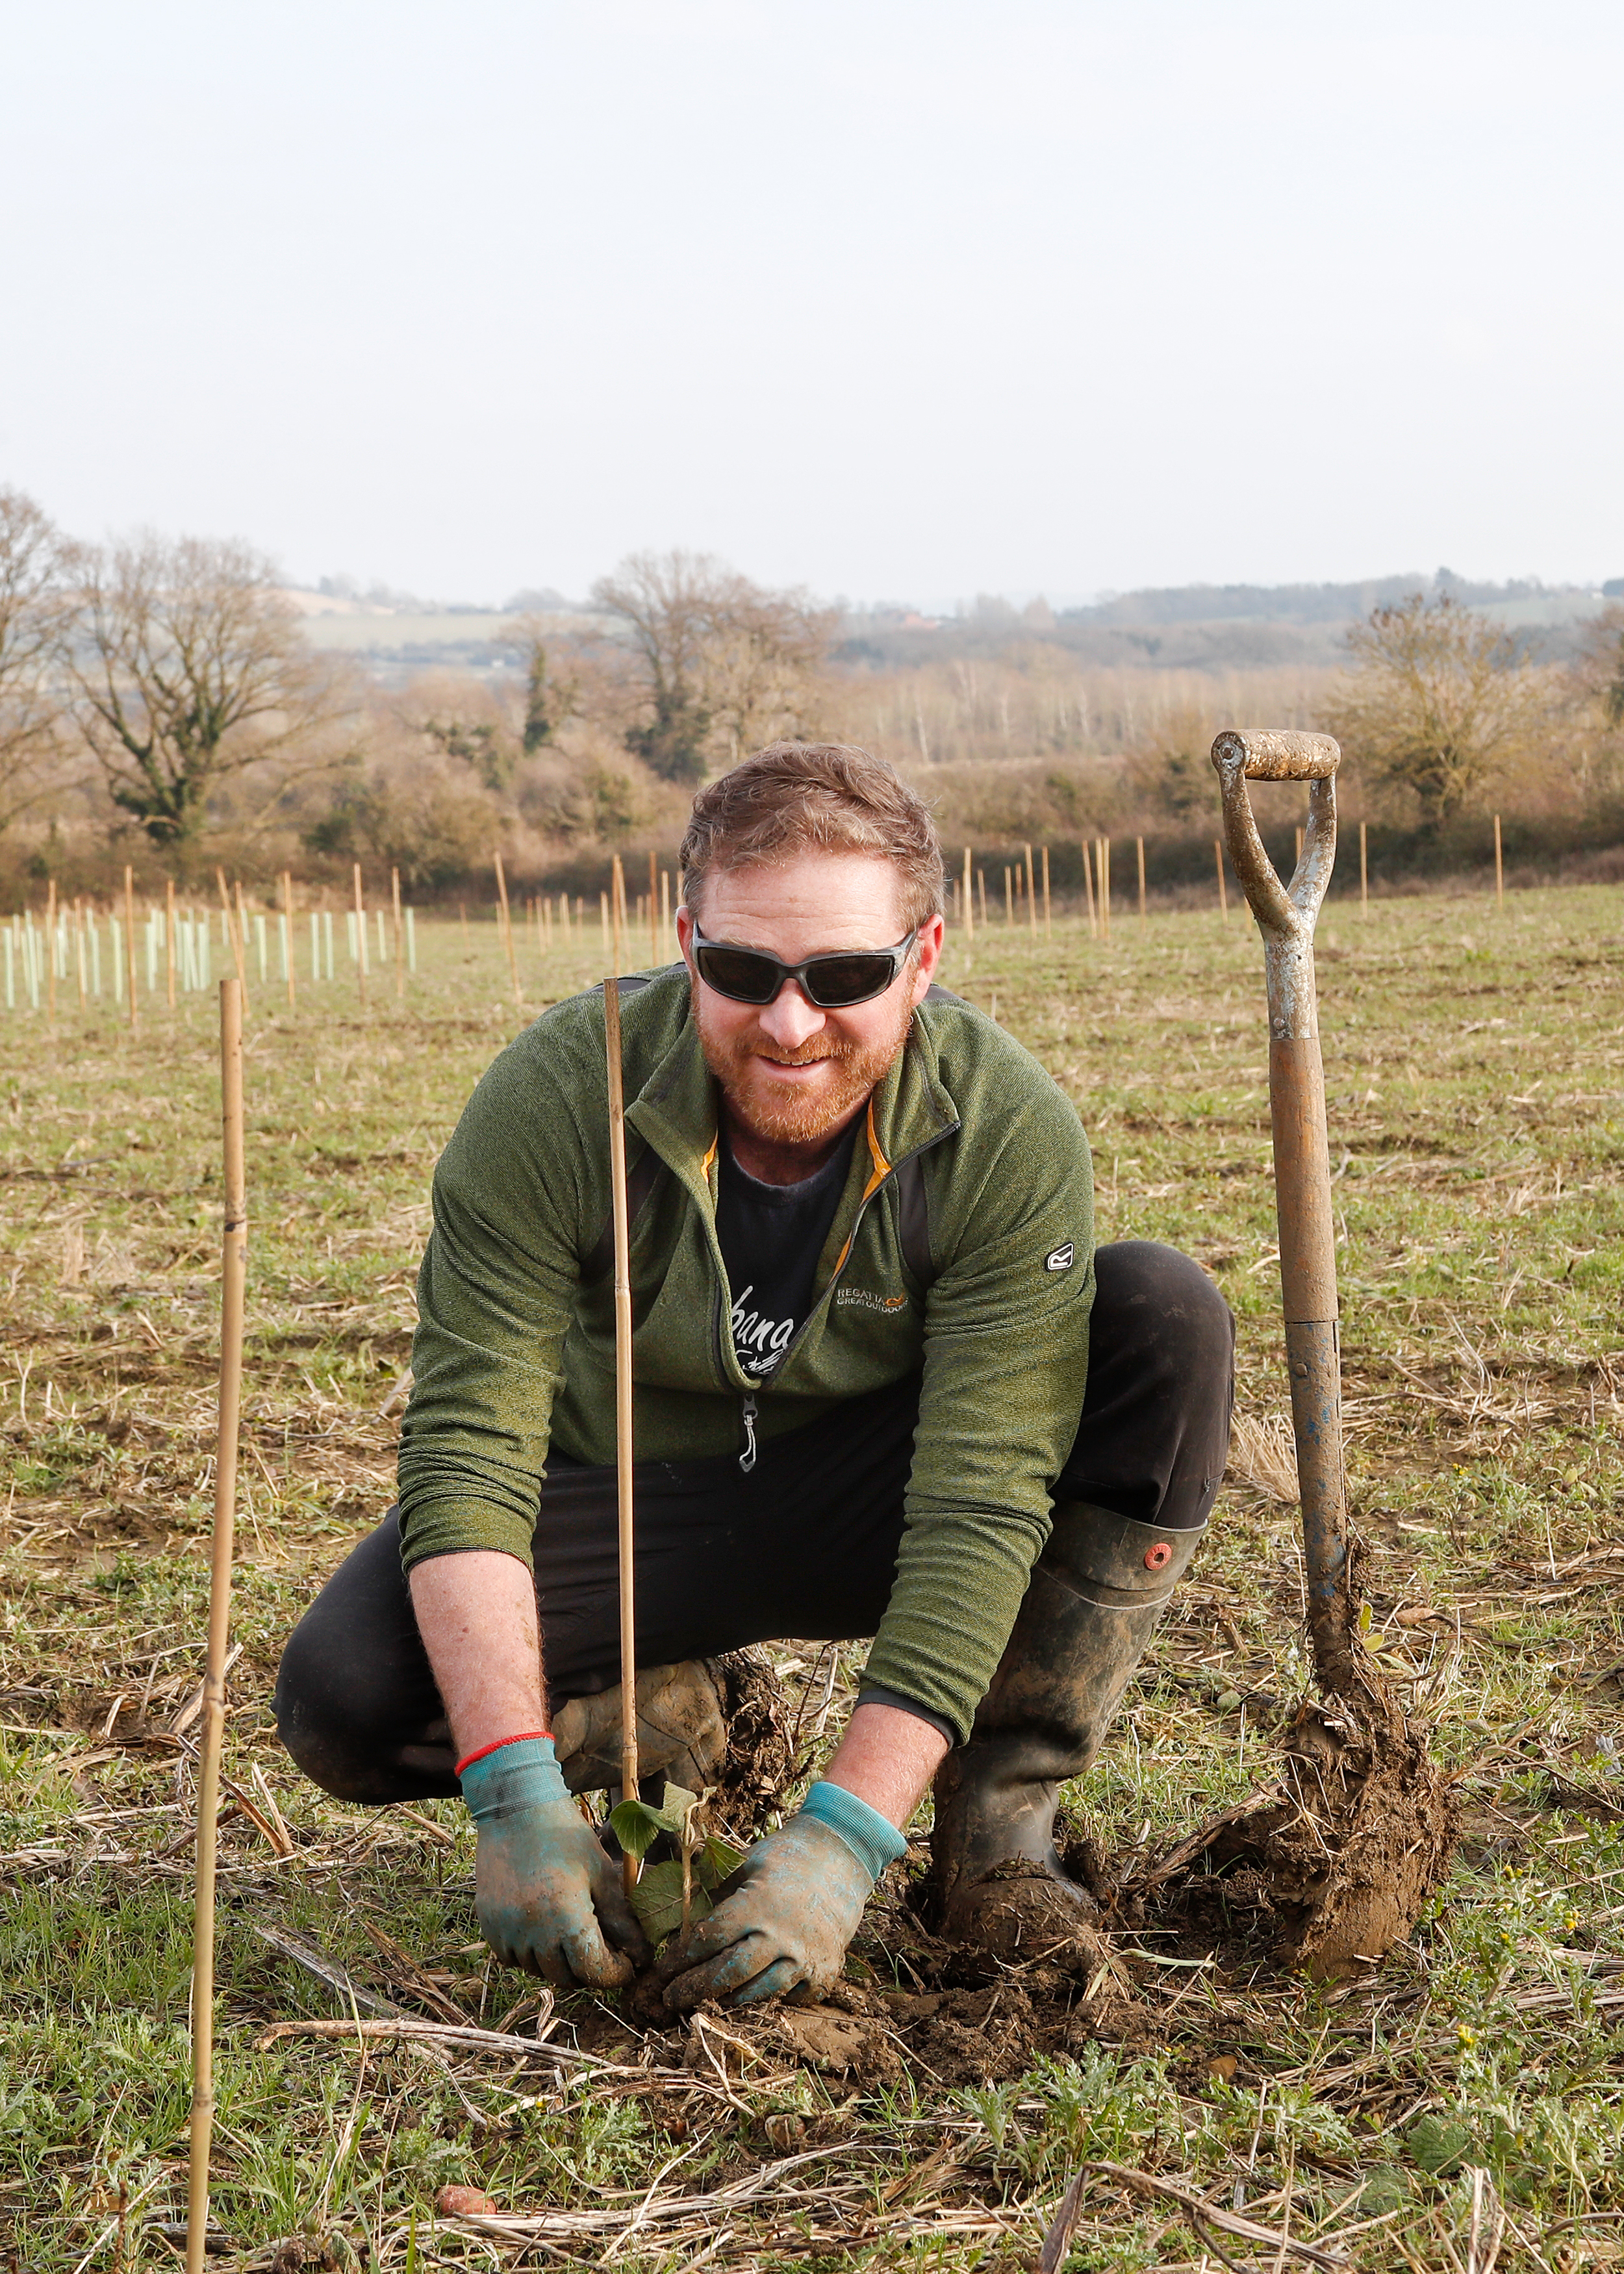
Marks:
<point>799,1118</point>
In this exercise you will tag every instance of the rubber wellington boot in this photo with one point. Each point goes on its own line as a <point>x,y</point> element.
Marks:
<point>681,1730</point>
<point>1095,1596</point>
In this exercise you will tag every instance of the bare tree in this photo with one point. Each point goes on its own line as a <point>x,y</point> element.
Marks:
<point>36,566</point>
<point>1598,668</point>
<point>188,666</point>
<point>1437,699</point>
<point>721,663</point>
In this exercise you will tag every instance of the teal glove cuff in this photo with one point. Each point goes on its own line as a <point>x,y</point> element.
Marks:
<point>870,1837</point>
<point>523,1774</point>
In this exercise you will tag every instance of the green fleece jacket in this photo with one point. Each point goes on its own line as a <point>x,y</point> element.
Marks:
<point>514,1347</point>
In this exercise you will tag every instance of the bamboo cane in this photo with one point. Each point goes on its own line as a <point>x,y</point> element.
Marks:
<point>232,940</point>
<point>287,917</point>
<point>622,1401</point>
<point>130,941</point>
<point>360,924</point>
<point>234,1262</point>
<point>969,899</point>
<point>513,960</point>
<point>617,910</point>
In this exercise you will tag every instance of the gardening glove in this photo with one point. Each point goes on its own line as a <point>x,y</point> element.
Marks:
<point>788,1912</point>
<point>546,1891</point>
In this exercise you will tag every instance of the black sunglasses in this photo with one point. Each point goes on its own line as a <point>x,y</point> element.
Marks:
<point>833,983</point>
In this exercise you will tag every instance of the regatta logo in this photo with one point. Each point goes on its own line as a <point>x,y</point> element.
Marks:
<point>864,1300</point>
<point>1060,1258</point>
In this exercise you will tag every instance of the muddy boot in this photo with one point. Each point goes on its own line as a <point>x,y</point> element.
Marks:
<point>1095,1596</point>
<point>681,1730</point>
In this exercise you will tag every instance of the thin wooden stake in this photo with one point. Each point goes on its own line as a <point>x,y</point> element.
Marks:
<point>1009,894</point>
<point>79,950</point>
<point>1500,868</point>
<point>287,918</point>
<point>654,932</point>
<point>1223,890</point>
<point>969,899</point>
<point>400,937</point>
<point>980,886</point>
<point>168,935</point>
<point>232,941</point>
<point>622,1401</point>
<point>1105,888</point>
<point>1363,873</point>
<point>1140,847</point>
<point>1093,921</point>
<point>234,1266</point>
<point>1032,896</point>
<point>360,924</point>
<point>130,941</point>
<point>50,952</point>
<point>242,933</point>
<point>665,905</point>
<point>1049,927</point>
<point>513,960</point>
<point>617,910</point>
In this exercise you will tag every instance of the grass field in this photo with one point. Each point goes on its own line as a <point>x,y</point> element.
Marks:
<point>1463,2105</point>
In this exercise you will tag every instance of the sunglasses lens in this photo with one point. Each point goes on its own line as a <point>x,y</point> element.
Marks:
<point>838,981</point>
<point>736,973</point>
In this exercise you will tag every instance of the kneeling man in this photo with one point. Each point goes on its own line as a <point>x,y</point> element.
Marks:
<point>885,1386</point>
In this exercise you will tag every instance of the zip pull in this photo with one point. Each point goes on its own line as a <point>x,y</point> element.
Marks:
<point>747,1460</point>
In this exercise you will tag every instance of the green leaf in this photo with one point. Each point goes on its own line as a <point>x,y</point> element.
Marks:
<point>715,1861</point>
<point>1438,2147</point>
<point>657,1900</point>
<point>638,1826</point>
<point>677,1804</point>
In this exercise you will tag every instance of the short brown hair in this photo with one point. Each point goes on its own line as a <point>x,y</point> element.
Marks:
<point>796,797</point>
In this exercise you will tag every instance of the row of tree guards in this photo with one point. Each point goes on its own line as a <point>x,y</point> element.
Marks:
<point>176,941</point>
<point>161,950</point>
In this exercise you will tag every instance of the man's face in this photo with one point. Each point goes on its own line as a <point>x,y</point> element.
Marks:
<point>793,1074</point>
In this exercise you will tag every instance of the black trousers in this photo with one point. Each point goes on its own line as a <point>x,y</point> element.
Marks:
<point>805,1546</point>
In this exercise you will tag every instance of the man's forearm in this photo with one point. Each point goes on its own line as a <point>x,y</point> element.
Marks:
<point>888,1759</point>
<point>477,1614</point>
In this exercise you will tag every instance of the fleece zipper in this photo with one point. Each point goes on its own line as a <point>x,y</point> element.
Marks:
<point>750,1409</point>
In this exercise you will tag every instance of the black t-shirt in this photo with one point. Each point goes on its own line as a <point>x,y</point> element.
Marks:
<point>771,1237</point>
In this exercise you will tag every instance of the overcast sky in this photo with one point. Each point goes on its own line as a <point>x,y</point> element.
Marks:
<point>903,298</point>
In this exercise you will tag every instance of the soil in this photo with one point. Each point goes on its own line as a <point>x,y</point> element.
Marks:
<point>757,1770</point>
<point>1345,1860</point>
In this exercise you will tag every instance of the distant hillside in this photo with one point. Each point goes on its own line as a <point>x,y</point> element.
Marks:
<point>1206,626</point>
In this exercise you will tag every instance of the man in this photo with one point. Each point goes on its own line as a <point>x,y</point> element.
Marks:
<point>885,1386</point>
